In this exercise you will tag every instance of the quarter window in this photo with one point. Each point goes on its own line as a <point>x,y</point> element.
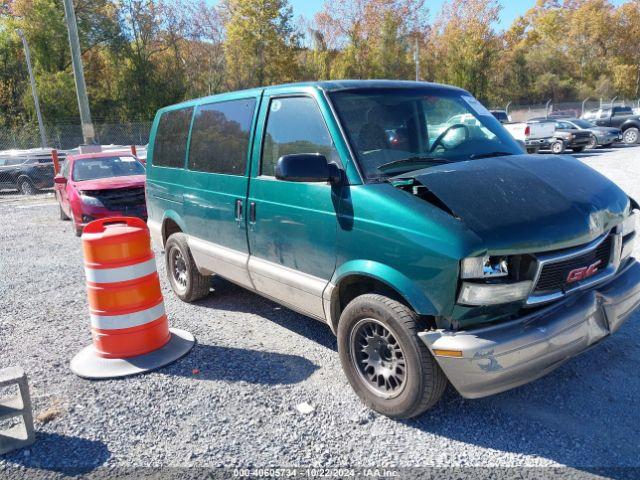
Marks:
<point>170,145</point>
<point>294,125</point>
<point>220,137</point>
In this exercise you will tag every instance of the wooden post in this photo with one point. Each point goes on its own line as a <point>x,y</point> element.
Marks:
<point>56,163</point>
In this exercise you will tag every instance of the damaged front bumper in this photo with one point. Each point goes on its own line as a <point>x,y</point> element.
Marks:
<point>504,356</point>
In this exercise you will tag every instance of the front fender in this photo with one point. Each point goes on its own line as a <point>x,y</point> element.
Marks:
<point>416,298</point>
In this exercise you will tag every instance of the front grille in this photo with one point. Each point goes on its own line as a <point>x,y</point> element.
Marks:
<point>120,198</point>
<point>553,276</point>
<point>582,135</point>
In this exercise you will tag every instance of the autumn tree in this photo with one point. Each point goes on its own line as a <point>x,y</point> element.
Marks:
<point>259,42</point>
<point>465,45</point>
<point>374,37</point>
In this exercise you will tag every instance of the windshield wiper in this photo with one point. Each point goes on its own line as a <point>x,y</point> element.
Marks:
<point>489,154</point>
<point>411,160</point>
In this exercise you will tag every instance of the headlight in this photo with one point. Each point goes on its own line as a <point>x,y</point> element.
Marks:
<point>484,267</point>
<point>91,201</point>
<point>493,294</point>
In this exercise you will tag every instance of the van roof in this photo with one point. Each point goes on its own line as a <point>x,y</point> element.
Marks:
<point>331,86</point>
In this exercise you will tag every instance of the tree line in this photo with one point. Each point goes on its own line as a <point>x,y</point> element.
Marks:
<point>140,55</point>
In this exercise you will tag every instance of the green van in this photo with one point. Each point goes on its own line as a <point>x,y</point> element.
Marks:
<point>404,216</point>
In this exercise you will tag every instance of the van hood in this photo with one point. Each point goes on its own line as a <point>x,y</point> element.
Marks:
<point>522,203</point>
<point>112,183</point>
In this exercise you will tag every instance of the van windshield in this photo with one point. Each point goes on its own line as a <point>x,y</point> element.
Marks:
<point>392,131</point>
<point>107,167</point>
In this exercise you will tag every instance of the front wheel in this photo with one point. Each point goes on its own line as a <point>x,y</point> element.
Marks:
<point>63,216</point>
<point>185,279</point>
<point>25,187</point>
<point>557,147</point>
<point>631,136</point>
<point>388,366</point>
<point>592,143</point>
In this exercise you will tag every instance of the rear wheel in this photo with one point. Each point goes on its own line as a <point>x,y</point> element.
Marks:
<point>25,187</point>
<point>592,143</point>
<point>631,135</point>
<point>388,366</point>
<point>557,147</point>
<point>185,279</point>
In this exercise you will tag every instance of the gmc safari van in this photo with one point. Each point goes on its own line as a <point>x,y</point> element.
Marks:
<point>404,216</point>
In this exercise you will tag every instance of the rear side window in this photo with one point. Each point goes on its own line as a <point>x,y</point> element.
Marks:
<point>220,137</point>
<point>171,138</point>
<point>294,125</point>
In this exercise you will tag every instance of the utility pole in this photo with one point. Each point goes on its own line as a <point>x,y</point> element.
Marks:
<point>416,58</point>
<point>81,90</point>
<point>36,102</point>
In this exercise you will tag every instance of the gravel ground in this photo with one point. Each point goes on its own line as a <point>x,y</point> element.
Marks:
<point>233,400</point>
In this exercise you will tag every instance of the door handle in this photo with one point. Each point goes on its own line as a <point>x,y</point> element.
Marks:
<point>238,210</point>
<point>252,212</point>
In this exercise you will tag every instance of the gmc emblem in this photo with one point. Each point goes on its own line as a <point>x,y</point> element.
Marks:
<point>583,272</point>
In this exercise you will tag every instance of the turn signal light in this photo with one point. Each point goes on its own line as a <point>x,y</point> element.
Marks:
<point>448,353</point>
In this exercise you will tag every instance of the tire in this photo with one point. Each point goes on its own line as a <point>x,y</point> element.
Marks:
<point>631,136</point>
<point>25,187</point>
<point>76,229</point>
<point>63,216</point>
<point>410,393</point>
<point>593,143</point>
<point>185,279</point>
<point>578,149</point>
<point>557,147</point>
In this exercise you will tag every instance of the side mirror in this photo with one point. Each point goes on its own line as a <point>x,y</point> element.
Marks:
<point>59,180</point>
<point>307,167</point>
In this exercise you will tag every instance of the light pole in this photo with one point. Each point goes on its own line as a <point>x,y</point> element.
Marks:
<point>36,102</point>
<point>416,58</point>
<point>81,90</point>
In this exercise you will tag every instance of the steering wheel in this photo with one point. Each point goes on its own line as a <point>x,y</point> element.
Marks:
<point>438,141</point>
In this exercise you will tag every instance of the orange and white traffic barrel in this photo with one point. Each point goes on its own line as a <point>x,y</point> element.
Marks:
<point>129,325</point>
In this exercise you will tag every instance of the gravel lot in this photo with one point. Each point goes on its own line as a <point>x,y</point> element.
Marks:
<point>232,401</point>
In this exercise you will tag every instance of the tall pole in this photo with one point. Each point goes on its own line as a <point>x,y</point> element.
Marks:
<point>416,58</point>
<point>81,90</point>
<point>34,92</point>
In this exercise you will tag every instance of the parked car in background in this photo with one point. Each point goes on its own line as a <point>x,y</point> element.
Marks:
<point>567,136</point>
<point>618,117</point>
<point>535,135</point>
<point>98,185</point>
<point>443,257</point>
<point>26,170</point>
<point>501,115</point>
<point>601,136</point>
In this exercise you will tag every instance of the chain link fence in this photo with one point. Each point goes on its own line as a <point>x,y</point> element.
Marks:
<point>523,112</point>
<point>67,136</point>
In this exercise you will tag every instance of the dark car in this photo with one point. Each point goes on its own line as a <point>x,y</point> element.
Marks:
<point>602,136</point>
<point>26,172</point>
<point>501,115</point>
<point>617,117</point>
<point>567,136</point>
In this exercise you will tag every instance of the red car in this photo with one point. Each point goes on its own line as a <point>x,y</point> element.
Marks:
<point>98,185</point>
